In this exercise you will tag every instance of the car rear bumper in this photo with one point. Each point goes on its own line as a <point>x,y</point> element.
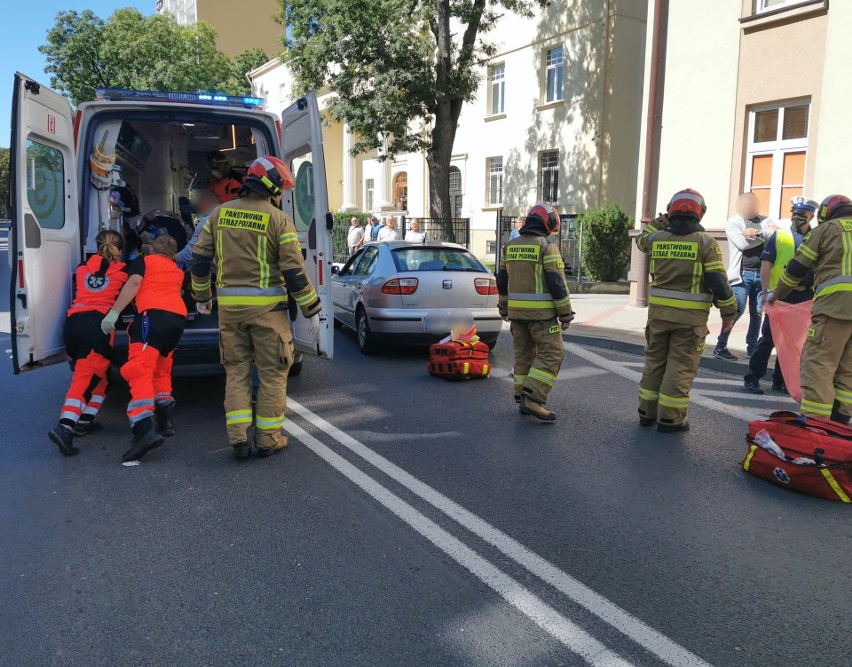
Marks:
<point>409,322</point>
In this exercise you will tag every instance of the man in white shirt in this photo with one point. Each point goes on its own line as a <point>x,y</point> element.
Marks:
<point>747,233</point>
<point>388,232</point>
<point>413,234</point>
<point>355,237</point>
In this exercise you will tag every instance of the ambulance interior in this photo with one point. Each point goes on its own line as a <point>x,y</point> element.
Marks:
<point>157,160</point>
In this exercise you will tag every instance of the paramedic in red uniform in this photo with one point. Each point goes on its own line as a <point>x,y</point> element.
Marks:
<point>97,283</point>
<point>225,183</point>
<point>155,282</point>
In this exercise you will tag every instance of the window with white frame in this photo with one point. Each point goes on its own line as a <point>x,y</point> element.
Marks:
<point>769,5</point>
<point>776,155</point>
<point>495,181</point>
<point>497,89</point>
<point>369,192</point>
<point>548,177</point>
<point>553,74</point>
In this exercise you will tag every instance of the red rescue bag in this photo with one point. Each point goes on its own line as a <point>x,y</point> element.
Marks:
<point>789,323</point>
<point>817,454</point>
<point>456,360</point>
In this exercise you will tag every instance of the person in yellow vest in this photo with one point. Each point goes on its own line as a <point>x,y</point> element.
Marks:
<point>534,297</point>
<point>827,356</point>
<point>258,261</point>
<point>688,277</point>
<point>779,250</point>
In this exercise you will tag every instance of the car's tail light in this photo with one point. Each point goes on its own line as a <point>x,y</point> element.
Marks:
<point>485,286</point>
<point>401,286</point>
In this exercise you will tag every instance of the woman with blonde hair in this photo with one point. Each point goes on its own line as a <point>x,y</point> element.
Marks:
<point>97,283</point>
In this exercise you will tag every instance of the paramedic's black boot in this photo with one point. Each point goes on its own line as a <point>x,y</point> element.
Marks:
<point>165,424</point>
<point>145,438</point>
<point>87,427</point>
<point>535,409</point>
<point>242,450</point>
<point>837,416</point>
<point>673,428</point>
<point>64,439</point>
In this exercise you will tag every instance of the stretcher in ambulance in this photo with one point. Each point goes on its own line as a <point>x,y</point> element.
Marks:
<point>69,170</point>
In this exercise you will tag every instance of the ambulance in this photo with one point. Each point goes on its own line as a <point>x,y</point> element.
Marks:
<point>154,144</point>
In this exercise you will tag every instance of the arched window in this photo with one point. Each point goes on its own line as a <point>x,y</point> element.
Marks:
<point>400,191</point>
<point>456,194</point>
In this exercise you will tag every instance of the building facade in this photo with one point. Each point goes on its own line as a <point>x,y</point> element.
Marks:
<point>239,25</point>
<point>557,118</point>
<point>754,102</point>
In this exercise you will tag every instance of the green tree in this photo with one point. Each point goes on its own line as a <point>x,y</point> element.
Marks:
<point>130,50</point>
<point>606,242</point>
<point>245,61</point>
<point>401,70</point>
<point>4,183</point>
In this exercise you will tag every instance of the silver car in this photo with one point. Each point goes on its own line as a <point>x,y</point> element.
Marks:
<point>387,289</point>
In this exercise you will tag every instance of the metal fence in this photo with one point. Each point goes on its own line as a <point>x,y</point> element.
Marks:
<point>569,239</point>
<point>449,230</point>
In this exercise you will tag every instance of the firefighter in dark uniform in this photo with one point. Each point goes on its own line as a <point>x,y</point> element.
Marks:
<point>97,284</point>
<point>258,262</point>
<point>688,277</point>
<point>827,356</point>
<point>534,297</point>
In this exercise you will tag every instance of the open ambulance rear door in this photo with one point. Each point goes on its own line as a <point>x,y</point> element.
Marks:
<point>44,241</point>
<point>307,205</point>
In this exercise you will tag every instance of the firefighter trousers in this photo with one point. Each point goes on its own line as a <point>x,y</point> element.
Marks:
<point>538,356</point>
<point>154,335</point>
<point>672,354</point>
<point>90,350</point>
<point>827,367</point>
<point>264,342</point>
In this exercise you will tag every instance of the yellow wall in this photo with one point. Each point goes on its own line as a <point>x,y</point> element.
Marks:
<point>332,145</point>
<point>243,25</point>
<point>778,63</point>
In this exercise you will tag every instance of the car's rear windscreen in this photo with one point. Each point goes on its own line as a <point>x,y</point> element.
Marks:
<point>424,258</point>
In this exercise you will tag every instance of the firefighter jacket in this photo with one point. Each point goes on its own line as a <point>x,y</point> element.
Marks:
<point>687,272</point>
<point>258,260</point>
<point>531,281</point>
<point>828,251</point>
<point>97,284</point>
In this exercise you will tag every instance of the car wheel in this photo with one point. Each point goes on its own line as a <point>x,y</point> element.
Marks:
<point>366,338</point>
<point>491,342</point>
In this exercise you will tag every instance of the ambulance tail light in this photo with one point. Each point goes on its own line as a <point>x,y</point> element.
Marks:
<point>485,286</point>
<point>401,286</point>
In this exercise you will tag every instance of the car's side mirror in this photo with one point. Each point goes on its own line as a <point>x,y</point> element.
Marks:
<point>334,270</point>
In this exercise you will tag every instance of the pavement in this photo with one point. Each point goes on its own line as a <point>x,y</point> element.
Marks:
<point>610,322</point>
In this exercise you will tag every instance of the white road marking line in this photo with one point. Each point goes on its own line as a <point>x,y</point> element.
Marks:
<point>644,635</point>
<point>569,373</point>
<point>546,617</point>
<point>745,396</point>
<point>696,396</point>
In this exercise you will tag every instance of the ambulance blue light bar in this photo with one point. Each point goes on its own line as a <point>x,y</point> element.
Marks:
<point>210,99</point>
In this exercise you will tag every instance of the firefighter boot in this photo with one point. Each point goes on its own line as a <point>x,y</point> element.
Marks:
<point>837,414</point>
<point>64,439</point>
<point>535,409</point>
<point>242,450</point>
<point>145,438</point>
<point>165,424</point>
<point>673,428</point>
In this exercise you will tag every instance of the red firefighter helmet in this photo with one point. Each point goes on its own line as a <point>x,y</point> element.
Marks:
<point>830,205</point>
<point>547,214</point>
<point>269,176</point>
<point>687,202</point>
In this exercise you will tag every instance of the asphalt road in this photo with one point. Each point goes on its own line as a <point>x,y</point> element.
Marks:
<point>415,522</point>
